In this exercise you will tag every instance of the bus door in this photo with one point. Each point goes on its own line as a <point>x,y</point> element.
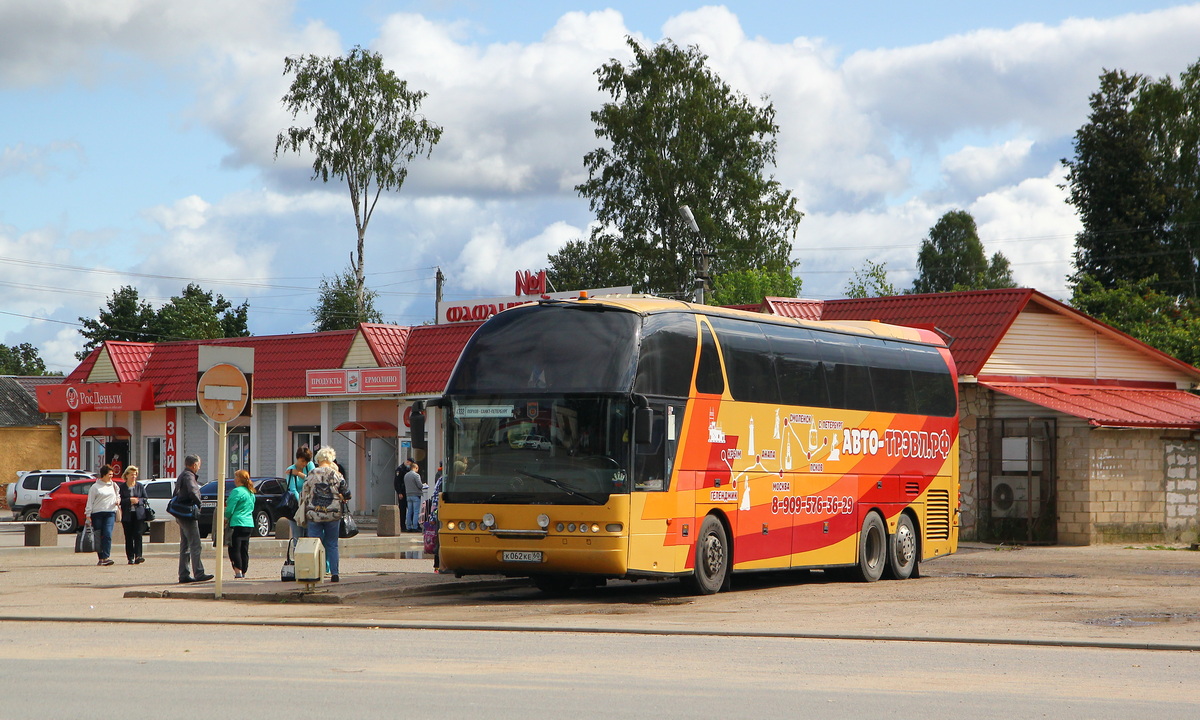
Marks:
<point>655,515</point>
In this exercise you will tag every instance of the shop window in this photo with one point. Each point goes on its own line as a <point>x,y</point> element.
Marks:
<point>238,451</point>
<point>311,438</point>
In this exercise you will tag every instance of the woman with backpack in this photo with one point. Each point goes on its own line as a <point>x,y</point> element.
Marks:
<point>323,501</point>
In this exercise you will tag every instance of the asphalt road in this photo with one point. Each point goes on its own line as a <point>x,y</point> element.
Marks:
<point>108,670</point>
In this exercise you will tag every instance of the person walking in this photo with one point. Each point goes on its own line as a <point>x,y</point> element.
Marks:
<point>323,501</point>
<point>187,489</point>
<point>296,473</point>
<point>413,488</point>
<point>133,514</point>
<point>101,511</point>
<point>239,512</point>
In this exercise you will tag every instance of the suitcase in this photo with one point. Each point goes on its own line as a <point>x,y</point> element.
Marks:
<point>85,540</point>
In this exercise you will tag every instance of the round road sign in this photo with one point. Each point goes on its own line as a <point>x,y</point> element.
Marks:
<point>222,392</point>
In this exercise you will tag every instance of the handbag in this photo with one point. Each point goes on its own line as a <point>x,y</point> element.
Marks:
<point>288,572</point>
<point>287,504</point>
<point>182,509</point>
<point>85,540</point>
<point>347,528</point>
<point>148,512</point>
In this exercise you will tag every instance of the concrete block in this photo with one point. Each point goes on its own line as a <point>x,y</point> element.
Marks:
<point>389,521</point>
<point>283,529</point>
<point>164,531</point>
<point>41,534</point>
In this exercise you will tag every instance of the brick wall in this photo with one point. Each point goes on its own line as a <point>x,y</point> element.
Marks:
<point>1182,464</point>
<point>974,402</point>
<point>1130,471</point>
<point>28,448</point>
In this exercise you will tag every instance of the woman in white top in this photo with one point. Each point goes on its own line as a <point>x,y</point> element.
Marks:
<point>101,512</point>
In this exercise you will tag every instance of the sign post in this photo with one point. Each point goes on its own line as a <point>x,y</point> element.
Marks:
<point>222,394</point>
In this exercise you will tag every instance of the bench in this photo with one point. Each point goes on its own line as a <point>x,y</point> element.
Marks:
<point>40,534</point>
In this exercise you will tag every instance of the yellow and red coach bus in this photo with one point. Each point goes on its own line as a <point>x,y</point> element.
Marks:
<point>650,438</point>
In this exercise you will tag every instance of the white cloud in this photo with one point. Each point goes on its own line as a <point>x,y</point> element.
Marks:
<point>40,160</point>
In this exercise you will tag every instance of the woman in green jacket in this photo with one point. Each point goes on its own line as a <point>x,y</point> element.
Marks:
<point>239,512</point>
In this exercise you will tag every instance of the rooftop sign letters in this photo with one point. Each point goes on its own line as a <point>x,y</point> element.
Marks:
<point>354,381</point>
<point>95,397</point>
<point>530,288</point>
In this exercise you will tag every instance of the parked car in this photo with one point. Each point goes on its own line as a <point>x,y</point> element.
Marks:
<point>158,494</point>
<point>32,486</point>
<point>266,494</point>
<point>65,504</point>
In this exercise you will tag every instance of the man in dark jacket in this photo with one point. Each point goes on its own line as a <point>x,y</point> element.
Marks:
<point>398,485</point>
<point>187,489</point>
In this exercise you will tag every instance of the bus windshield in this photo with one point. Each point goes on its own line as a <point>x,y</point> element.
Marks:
<point>550,349</point>
<point>564,450</point>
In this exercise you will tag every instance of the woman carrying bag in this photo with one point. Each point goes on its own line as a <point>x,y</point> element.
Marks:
<point>133,514</point>
<point>101,512</point>
<point>323,502</point>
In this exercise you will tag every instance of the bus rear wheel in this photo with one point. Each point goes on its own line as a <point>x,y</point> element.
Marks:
<point>711,571</point>
<point>872,548</point>
<point>902,550</point>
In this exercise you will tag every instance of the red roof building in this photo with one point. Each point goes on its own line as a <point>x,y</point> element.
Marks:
<point>1071,431</point>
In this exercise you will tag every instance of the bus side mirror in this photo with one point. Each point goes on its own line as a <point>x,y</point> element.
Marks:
<point>643,421</point>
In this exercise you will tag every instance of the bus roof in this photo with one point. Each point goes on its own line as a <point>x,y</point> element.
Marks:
<point>651,304</point>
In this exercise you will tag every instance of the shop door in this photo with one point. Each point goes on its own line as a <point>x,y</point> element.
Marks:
<point>381,470</point>
<point>1018,481</point>
<point>116,454</point>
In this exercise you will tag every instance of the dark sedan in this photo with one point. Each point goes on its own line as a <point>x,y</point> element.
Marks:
<point>266,496</point>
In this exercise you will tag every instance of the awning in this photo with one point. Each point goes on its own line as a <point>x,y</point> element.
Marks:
<point>1111,406</point>
<point>373,428</point>
<point>108,432</point>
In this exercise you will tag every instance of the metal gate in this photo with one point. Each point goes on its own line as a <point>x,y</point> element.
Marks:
<point>1018,480</point>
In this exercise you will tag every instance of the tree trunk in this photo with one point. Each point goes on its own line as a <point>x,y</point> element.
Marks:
<point>360,277</point>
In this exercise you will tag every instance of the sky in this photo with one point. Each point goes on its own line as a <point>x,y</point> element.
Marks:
<point>138,136</point>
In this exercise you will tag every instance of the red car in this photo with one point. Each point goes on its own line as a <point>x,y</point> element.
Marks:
<point>65,503</point>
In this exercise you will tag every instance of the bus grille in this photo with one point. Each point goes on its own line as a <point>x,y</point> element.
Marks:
<point>937,515</point>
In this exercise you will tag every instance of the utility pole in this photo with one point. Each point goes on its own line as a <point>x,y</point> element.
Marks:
<point>439,279</point>
<point>701,257</point>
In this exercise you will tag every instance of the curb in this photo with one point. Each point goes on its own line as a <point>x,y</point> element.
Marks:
<point>665,632</point>
<point>325,595</point>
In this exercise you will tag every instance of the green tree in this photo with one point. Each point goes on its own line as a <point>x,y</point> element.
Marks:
<point>1135,182</point>
<point>21,359</point>
<point>952,258</point>
<point>870,280</point>
<point>676,134</point>
<point>337,303</point>
<point>194,314</point>
<point>126,317</point>
<point>1161,320</point>
<point>366,129</point>
<point>748,287</point>
<point>583,264</point>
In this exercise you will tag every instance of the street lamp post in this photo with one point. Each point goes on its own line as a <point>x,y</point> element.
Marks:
<point>701,256</point>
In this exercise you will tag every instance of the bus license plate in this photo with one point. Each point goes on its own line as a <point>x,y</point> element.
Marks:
<point>521,556</point>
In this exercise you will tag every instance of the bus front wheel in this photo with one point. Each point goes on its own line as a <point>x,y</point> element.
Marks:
<point>902,550</point>
<point>711,572</point>
<point>872,548</point>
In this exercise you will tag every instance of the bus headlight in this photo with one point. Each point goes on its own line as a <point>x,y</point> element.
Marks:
<point>489,521</point>
<point>543,521</point>
<point>472,525</point>
<point>559,527</point>
<point>595,528</point>
<point>450,525</point>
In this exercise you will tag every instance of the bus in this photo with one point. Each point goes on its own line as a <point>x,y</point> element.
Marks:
<point>642,437</point>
